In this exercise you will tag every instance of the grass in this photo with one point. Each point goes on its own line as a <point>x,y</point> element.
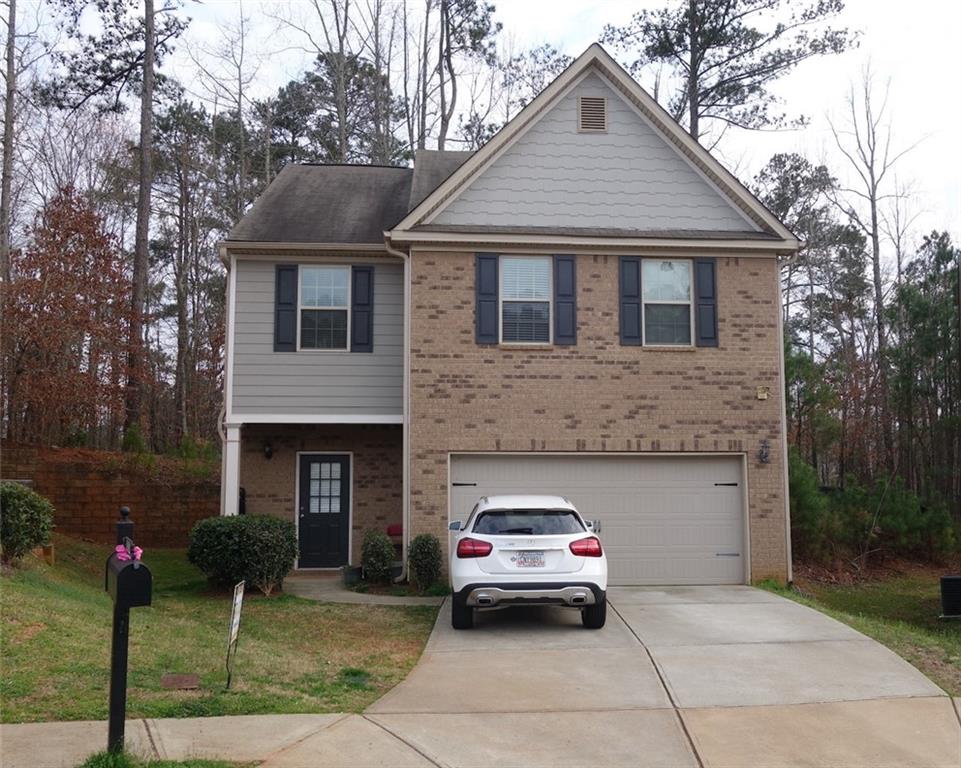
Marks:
<point>124,760</point>
<point>293,655</point>
<point>899,610</point>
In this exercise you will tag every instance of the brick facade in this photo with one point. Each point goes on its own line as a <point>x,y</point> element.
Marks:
<point>597,396</point>
<point>377,493</point>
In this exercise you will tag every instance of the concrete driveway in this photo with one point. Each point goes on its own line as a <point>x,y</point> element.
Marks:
<point>712,676</point>
<point>708,676</point>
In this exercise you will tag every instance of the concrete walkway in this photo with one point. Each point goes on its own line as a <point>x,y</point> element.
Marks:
<point>327,587</point>
<point>713,677</point>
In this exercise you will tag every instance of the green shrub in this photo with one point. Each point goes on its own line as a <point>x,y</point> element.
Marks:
<point>846,522</point>
<point>906,525</point>
<point>377,556</point>
<point>133,440</point>
<point>812,521</point>
<point>424,558</point>
<point>258,549</point>
<point>26,519</point>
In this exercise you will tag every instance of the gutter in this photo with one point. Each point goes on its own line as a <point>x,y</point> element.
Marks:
<point>405,459</point>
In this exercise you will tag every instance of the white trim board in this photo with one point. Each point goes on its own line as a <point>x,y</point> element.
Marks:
<point>236,419</point>
<point>523,243</point>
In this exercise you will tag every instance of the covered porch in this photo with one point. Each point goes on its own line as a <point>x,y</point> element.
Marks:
<point>333,481</point>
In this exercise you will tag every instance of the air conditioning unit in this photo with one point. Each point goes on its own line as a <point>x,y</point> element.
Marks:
<point>951,597</point>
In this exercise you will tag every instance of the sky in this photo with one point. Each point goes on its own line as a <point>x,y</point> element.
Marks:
<point>914,46</point>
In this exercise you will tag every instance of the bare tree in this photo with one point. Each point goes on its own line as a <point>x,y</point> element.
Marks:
<point>10,74</point>
<point>332,47</point>
<point>865,142</point>
<point>226,70</point>
<point>376,26</point>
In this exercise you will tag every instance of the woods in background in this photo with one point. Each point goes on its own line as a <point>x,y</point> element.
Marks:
<point>119,181</point>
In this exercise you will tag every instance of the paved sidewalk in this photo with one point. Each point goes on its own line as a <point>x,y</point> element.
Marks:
<point>328,588</point>
<point>274,739</point>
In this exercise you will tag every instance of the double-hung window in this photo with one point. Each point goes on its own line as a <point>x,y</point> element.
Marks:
<point>666,287</point>
<point>324,307</point>
<point>526,295</point>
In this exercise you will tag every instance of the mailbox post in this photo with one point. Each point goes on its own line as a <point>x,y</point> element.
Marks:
<point>129,584</point>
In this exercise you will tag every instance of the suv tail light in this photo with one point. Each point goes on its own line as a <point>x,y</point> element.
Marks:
<point>474,548</point>
<point>589,547</point>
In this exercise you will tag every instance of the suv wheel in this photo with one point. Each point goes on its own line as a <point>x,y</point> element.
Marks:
<point>594,616</point>
<point>461,614</point>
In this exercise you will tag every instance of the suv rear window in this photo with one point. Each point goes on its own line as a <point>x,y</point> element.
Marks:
<point>527,522</point>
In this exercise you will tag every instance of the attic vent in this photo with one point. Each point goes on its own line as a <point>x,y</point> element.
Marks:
<point>592,114</point>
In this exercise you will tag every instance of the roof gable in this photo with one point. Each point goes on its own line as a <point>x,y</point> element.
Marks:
<point>644,175</point>
<point>628,177</point>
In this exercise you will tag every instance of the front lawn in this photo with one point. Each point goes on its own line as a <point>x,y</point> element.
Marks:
<point>899,610</point>
<point>293,655</point>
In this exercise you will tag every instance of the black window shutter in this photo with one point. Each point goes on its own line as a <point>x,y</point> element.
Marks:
<point>362,309</point>
<point>285,308</point>
<point>630,300</point>
<point>565,300</point>
<point>705,308</point>
<point>487,326</point>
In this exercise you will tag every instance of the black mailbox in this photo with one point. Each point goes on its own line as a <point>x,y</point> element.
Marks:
<point>128,582</point>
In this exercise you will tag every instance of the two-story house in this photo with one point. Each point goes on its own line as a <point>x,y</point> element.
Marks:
<point>589,305</point>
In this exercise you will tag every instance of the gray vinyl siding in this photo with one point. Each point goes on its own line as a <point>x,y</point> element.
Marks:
<point>312,382</point>
<point>627,178</point>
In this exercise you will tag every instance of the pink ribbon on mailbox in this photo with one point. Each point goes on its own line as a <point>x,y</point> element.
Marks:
<point>123,554</point>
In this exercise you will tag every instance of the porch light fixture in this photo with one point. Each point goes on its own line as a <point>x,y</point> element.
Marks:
<point>764,452</point>
<point>268,451</point>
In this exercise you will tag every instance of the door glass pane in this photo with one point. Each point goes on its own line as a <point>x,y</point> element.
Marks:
<point>335,487</point>
<point>324,504</point>
<point>315,487</point>
<point>325,487</point>
<point>314,469</point>
<point>314,505</point>
<point>325,470</point>
<point>334,503</point>
<point>666,280</point>
<point>335,470</point>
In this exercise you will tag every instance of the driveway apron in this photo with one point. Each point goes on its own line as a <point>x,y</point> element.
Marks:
<point>680,676</point>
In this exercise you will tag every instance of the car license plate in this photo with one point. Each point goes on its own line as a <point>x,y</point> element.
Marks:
<point>529,559</point>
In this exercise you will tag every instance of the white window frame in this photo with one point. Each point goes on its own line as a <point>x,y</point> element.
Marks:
<point>501,301</point>
<point>689,302</point>
<point>301,307</point>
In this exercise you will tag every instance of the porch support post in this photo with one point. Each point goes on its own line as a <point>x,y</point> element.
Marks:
<point>230,476</point>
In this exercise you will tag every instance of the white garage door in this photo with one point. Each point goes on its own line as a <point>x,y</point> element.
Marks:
<point>664,520</point>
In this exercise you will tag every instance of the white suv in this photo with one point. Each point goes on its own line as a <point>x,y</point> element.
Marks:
<point>527,550</point>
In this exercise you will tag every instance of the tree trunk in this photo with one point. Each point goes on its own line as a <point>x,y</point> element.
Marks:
<point>887,431</point>
<point>141,257</point>
<point>443,45</point>
<point>7,175</point>
<point>422,128</point>
<point>693,103</point>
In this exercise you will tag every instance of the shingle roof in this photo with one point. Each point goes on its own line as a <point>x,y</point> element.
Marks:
<point>342,203</point>
<point>327,204</point>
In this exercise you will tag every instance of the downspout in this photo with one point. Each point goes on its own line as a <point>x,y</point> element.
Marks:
<point>783,395</point>
<point>405,458</point>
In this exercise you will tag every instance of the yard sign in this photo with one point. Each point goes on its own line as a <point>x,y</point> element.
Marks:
<point>233,630</point>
